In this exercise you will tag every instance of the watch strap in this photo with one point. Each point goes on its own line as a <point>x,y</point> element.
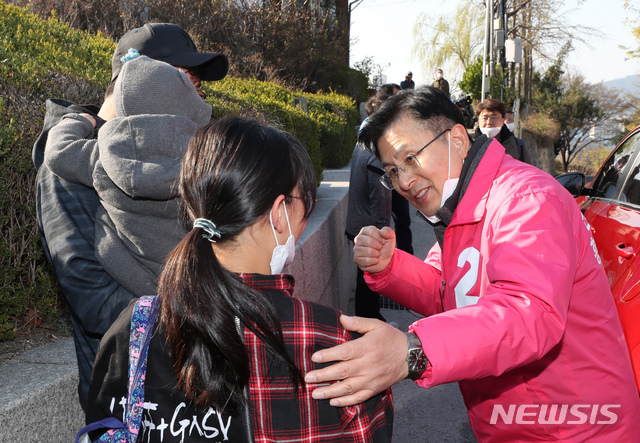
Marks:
<point>416,358</point>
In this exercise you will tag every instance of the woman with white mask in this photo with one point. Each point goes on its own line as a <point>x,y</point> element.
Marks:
<point>231,341</point>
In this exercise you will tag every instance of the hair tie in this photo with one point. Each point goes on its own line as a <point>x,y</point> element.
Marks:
<point>209,228</point>
<point>131,54</point>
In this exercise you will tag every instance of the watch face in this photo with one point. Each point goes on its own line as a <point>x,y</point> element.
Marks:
<point>417,360</point>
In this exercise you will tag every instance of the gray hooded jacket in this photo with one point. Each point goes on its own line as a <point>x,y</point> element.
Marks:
<point>133,166</point>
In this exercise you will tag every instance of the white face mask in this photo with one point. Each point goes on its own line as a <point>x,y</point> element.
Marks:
<point>447,189</point>
<point>490,132</point>
<point>439,75</point>
<point>511,126</point>
<point>282,254</point>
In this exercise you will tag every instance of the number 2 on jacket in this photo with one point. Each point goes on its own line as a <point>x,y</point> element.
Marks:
<point>469,279</point>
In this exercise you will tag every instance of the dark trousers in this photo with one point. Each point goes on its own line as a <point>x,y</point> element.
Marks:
<point>402,222</point>
<point>367,301</point>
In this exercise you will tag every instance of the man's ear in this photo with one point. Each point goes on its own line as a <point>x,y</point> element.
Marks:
<point>277,214</point>
<point>460,140</point>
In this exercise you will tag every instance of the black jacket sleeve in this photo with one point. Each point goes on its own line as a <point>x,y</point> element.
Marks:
<point>110,371</point>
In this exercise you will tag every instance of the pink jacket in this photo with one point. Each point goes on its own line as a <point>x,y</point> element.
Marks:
<point>526,322</point>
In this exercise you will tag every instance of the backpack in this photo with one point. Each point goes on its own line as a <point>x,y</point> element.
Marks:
<point>142,322</point>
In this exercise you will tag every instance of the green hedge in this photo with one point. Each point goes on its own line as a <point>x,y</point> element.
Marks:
<point>41,59</point>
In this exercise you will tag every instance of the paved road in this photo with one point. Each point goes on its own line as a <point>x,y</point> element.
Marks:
<point>438,414</point>
<point>434,415</point>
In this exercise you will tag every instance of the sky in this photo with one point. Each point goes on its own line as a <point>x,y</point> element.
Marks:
<point>383,29</point>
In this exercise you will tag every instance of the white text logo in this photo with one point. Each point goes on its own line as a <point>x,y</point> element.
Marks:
<point>554,414</point>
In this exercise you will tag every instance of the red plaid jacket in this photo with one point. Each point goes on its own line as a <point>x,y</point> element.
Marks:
<point>278,414</point>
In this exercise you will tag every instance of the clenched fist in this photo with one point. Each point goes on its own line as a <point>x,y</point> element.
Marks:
<point>374,248</point>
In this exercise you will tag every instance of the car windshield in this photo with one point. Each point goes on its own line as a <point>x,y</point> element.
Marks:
<point>631,188</point>
<point>609,179</point>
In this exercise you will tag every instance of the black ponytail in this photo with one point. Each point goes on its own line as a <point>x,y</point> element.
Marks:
<point>233,171</point>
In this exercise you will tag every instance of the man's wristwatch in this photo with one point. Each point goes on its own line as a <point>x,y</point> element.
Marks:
<point>415,357</point>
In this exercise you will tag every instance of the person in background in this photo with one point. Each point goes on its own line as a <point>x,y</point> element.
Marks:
<point>66,211</point>
<point>517,306</point>
<point>408,82</point>
<point>229,320</point>
<point>509,120</point>
<point>369,204</point>
<point>491,115</point>
<point>441,83</point>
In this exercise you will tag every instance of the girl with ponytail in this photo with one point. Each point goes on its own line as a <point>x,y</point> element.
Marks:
<point>232,342</point>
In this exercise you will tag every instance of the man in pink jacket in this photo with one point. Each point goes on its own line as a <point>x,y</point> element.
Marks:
<point>518,308</point>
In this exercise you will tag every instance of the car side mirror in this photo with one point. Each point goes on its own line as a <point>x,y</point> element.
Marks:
<point>574,182</point>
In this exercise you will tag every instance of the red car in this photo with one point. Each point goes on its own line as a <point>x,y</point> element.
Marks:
<point>611,205</point>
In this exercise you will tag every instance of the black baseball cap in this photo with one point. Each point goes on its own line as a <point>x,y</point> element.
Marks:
<point>171,44</point>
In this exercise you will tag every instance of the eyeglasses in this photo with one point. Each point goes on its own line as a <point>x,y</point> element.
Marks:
<point>410,165</point>
<point>491,117</point>
<point>309,202</point>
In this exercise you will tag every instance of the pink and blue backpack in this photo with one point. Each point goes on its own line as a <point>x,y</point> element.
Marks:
<point>142,322</point>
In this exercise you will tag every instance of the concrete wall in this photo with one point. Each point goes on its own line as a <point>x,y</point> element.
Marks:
<point>323,267</point>
<point>38,390</point>
<point>38,395</point>
<point>541,148</point>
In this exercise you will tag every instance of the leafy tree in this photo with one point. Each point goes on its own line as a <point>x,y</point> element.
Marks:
<point>548,86</point>
<point>472,84</point>
<point>543,26</point>
<point>452,40</point>
<point>372,70</point>
<point>583,107</point>
<point>579,108</point>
